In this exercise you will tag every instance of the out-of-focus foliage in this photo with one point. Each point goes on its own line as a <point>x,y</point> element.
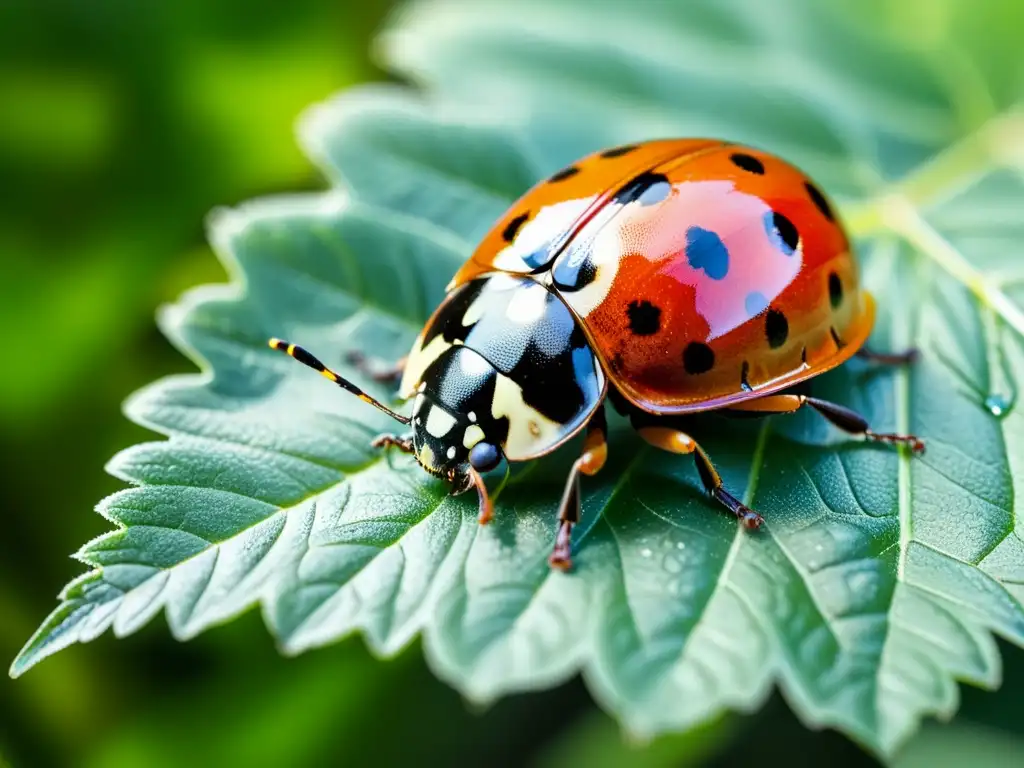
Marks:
<point>122,124</point>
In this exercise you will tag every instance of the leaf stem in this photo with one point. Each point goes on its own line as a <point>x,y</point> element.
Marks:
<point>903,218</point>
<point>997,141</point>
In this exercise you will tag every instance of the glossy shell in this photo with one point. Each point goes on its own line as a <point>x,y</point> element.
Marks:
<point>703,274</point>
<point>531,233</point>
<point>504,356</point>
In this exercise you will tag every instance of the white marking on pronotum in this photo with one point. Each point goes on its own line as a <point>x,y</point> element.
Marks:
<point>473,364</point>
<point>475,311</point>
<point>439,422</point>
<point>471,415</point>
<point>528,304</point>
<point>426,456</point>
<point>529,431</point>
<point>451,452</point>
<point>419,360</point>
<point>472,436</point>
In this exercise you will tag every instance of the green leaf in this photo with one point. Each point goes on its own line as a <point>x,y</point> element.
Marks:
<point>878,582</point>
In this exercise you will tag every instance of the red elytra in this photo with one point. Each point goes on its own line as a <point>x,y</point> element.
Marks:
<point>736,281</point>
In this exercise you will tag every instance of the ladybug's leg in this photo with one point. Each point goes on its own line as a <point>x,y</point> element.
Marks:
<point>404,444</point>
<point>676,441</point>
<point>590,462</point>
<point>900,358</point>
<point>842,417</point>
<point>385,373</point>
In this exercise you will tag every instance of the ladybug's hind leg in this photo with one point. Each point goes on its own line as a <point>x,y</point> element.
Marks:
<point>385,373</point>
<point>840,416</point>
<point>590,462</point>
<point>889,358</point>
<point>676,441</point>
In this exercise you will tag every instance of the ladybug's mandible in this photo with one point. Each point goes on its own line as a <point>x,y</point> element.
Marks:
<point>671,277</point>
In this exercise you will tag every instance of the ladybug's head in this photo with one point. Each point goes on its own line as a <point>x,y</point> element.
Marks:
<point>446,444</point>
<point>452,446</point>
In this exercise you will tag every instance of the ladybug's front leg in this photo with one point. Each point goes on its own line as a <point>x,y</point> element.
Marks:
<point>590,462</point>
<point>676,441</point>
<point>404,444</point>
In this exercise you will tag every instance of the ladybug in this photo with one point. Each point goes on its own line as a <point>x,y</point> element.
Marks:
<point>668,277</point>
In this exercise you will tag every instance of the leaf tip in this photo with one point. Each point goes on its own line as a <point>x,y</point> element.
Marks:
<point>39,646</point>
<point>19,666</point>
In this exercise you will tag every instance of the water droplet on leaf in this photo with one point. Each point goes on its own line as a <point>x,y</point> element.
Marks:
<point>998,405</point>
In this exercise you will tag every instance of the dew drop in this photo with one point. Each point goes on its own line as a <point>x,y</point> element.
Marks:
<point>998,405</point>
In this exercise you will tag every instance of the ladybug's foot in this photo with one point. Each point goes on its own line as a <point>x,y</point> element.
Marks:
<point>674,441</point>
<point>381,372</point>
<point>746,515</point>
<point>882,358</point>
<point>560,556</point>
<point>839,415</point>
<point>916,444</point>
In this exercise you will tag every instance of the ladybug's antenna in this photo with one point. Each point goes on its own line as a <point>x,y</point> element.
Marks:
<point>306,358</point>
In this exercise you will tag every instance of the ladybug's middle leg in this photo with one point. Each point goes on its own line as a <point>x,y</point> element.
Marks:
<point>385,373</point>
<point>676,441</point>
<point>590,462</point>
<point>839,415</point>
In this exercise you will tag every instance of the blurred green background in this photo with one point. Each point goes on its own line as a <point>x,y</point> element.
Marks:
<point>122,123</point>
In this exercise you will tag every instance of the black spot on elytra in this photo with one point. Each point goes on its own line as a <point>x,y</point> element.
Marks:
<point>776,328</point>
<point>705,250</point>
<point>510,231</point>
<point>835,290</point>
<point>565,173</point>
<point>782,232</point>
<point>574,274</point>
<point>647,188</point>
<point>819,201</point>
<point>744,373</point>
<point>644,318</point>
<point>698,358</point>
<point>619,151</point>
<point>747,163</point>
<point>836,338</point>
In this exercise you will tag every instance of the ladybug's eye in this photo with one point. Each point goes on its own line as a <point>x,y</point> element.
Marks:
<point>484,457</point>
